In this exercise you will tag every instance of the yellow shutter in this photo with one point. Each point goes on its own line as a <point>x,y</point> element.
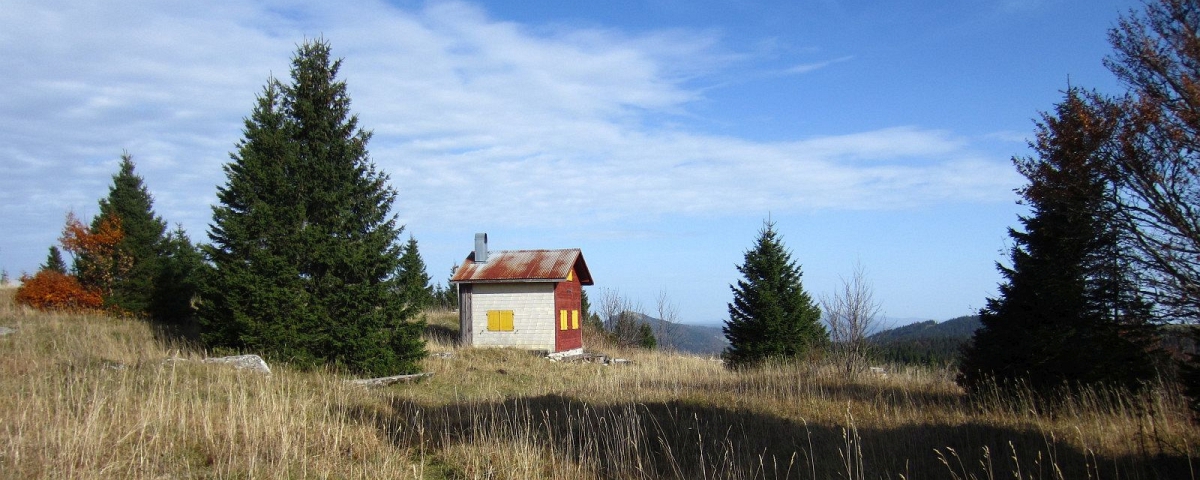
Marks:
<point>574,319</point>
<point>562,319</point>
<point>500,320</point>
<point>571,275</point>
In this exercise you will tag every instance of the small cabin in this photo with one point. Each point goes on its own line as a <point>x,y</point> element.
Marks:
<point>521,298</point>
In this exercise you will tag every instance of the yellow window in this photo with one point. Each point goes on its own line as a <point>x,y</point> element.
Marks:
<point>500,320</point>
<point>562,319</point>
<point>574,319</point>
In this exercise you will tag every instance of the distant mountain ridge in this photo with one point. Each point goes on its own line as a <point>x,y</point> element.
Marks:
<point>930,338</point>
<point>704,340</point>
<point>959,327</point>
<point>929,342</point>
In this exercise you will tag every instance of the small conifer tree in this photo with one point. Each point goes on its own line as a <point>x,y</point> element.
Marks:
<point>54,261</point>
<point>178,279</point>
<point>646,337</point>
<point>771,315</point>
<point>413,279</point>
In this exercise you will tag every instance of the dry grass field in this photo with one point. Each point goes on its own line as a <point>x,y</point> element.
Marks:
<point>97,397</point>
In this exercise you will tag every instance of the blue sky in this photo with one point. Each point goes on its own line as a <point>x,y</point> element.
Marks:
<point>656,135</point>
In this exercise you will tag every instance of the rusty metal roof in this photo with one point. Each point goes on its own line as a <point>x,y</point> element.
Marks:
<point>523,266</point>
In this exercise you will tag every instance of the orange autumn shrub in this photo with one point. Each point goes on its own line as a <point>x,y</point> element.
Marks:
<point>98,264</point>
<point>51,290</point>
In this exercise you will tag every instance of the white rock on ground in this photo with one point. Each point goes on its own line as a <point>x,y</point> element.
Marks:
<point>6,330</point>
<point>244,362</point>
<point>563,355</point>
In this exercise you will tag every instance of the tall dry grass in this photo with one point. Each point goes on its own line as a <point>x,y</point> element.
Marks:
<point>98,397</point>
<point>93,397</point>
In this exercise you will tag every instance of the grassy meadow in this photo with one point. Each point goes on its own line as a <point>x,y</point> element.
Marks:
<point>97,397</point>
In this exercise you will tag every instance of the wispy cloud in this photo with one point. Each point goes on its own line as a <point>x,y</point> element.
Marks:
<point>471,116</point>
<point>812,67</point>
<point>631,174</point>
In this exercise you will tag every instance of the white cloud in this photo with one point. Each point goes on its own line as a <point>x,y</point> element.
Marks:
<point>471,116</point>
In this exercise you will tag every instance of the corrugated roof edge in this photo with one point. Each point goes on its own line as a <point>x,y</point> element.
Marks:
<point>524,266</point>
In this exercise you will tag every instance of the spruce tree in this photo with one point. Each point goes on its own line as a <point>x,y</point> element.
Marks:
<point>54,261</point>
<point>446,296</point>
<point>771,315</point>
<point>305,251</point>
<point>414,280</point>
<point>252,297</point>
<point>142,244</point>
<point>451,291</point>
<point>178,279</point>
<point>646,337</point>
<point>585,305</point>
<point>1069,312</point>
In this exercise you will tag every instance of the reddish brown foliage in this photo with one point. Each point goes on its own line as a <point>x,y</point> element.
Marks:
<point>98,263</point>
<point>78,237</point>
<point>98,260</point>
<point>50,290</point>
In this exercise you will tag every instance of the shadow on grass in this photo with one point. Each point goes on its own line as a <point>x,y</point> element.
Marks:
<point>891,395</point>
<point>182,334</point>
<point>442,334</point>
<point>681,440</point>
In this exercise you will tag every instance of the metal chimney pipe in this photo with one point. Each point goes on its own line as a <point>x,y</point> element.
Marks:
<point>481,251</point>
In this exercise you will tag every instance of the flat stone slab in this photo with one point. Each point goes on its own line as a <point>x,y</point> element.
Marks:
<point>243,362</point>
<point>565,355</point>
<point>385,381</point>
<point>7,330</point>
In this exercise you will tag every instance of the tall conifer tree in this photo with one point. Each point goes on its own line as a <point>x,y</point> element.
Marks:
<point>771,315</point>
<point>304,246</point>
<point>1069,311</point>
<point>142,244</point>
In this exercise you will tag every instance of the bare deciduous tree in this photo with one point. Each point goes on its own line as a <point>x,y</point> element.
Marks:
<point>1157,159</point>
<point>667,330</point>
<point>623,319</point>
<point>852,314</point>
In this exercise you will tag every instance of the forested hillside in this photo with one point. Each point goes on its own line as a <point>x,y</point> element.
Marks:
<point>928,343</point>
<point>704,340</point>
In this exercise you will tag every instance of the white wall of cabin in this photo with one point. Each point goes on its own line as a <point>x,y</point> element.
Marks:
<point>533,314</point>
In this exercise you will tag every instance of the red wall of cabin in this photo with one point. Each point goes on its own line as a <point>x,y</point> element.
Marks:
<point>567,297</point>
